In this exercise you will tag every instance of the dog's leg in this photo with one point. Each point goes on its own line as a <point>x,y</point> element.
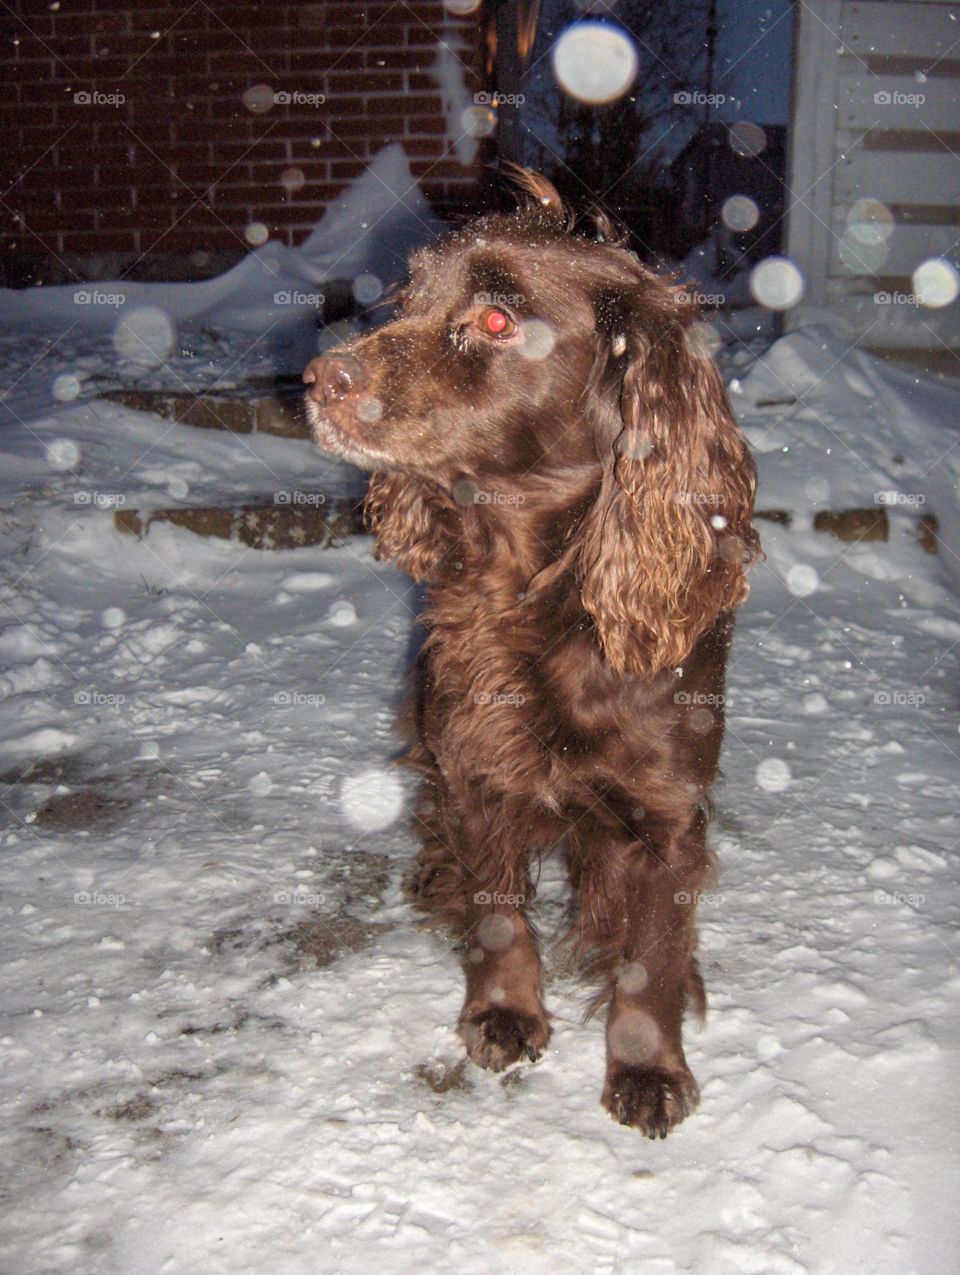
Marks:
<point>637,902</point>
<point>503,1020</point>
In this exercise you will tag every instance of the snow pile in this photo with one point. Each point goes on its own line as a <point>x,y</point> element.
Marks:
<point>834,428</point>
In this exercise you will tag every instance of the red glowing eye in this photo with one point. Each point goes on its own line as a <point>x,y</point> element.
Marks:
<point>496,322</point>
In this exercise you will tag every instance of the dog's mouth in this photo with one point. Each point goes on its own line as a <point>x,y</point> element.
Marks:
<point>324,430</point>
<point>338,439</point>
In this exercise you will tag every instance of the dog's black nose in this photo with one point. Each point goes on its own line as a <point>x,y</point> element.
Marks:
<point>332,378</point>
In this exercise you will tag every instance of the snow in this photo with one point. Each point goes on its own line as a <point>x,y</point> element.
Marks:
<point>449,73</point>
<point>227,1046</point>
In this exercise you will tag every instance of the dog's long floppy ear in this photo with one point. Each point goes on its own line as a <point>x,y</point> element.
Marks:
<point>665,547</point>
<point>412,524</point>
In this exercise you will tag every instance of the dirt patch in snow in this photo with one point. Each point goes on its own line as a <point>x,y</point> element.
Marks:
<point>442,1076</point>
<point>139,1107</point>
<point>88,810</point>
<point>318,942</point>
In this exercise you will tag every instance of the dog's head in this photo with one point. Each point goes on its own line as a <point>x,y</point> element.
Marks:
<point>524,354</point>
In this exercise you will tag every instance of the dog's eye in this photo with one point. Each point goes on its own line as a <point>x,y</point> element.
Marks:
<point>497,323</point>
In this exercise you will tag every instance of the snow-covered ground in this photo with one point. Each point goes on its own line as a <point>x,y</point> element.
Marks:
<point>228,1048</point>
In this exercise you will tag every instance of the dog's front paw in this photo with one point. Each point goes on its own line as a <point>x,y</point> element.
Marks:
<point>495,1038</point>
<point>652,1099</point>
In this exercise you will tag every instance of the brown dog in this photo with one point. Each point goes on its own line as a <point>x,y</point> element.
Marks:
<point>555,455</point>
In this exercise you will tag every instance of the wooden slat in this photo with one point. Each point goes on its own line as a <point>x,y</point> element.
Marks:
<point>880,27</point>
<point>898,101</point>
<point>923,178</point>
<point>897,326</point>
<point>905,141</point>
<point>904,64</point>
<point>907,247</point>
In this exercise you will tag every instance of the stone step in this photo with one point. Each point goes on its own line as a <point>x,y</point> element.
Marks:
<point>279,412</point>
<point>311,519</point>
<point>273,526</point>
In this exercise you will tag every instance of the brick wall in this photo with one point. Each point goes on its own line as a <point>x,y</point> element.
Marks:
<point>181,145</point>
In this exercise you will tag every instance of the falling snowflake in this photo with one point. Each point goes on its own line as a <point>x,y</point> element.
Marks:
<point>773,775</point>
<point>372,799</point>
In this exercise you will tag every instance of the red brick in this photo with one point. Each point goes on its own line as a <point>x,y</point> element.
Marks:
<point>406,105</point>
<point>68,22</point>
<point>292,214</point>
<point>438,168</point>
<point>313,170</point>
<point>186,239</point>
<point>401,59</point>
<point>197,176</point>
<point>424,146</point>
<point>225,150</point>
<point>371,80</point>
<point>84,156</point>
<point>330,148</point>
<point>97,241</point>
<point>23,28</point>
<point>53,220</point>
<point>184,152</point>
<point>313,62</point>
<point>114,221</point>
<point>362,126</point>
<point>23,68</point>
<point>343,170</point>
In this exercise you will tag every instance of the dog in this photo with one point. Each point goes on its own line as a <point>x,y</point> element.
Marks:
<point>553,454</point>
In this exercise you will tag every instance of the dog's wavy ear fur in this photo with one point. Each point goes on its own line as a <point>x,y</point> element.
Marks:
<point>411,523</point>
<point>665,548</point>
<point>542,195</point>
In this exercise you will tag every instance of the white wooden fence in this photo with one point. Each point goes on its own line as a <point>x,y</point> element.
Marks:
<point>876,118</point>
